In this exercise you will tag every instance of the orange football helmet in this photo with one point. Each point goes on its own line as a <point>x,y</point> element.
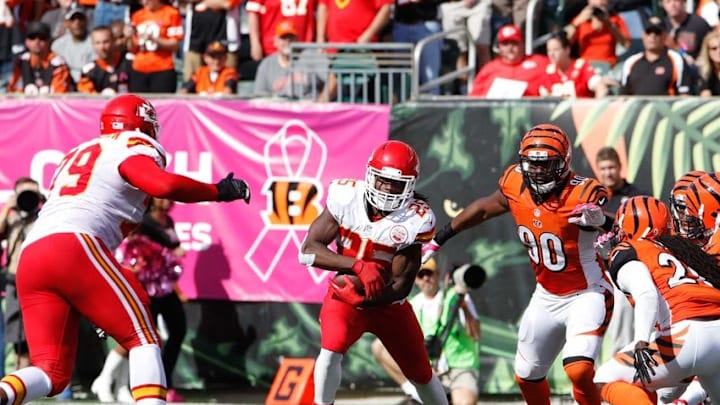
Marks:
<point>129,112</point>
<point>678,195</point>
<point>641,217</point>
<point>702,206</point>
<point>545,154</point>
<point>396,164</point>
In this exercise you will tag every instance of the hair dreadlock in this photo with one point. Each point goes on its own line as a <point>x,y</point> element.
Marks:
<point>702,263</point>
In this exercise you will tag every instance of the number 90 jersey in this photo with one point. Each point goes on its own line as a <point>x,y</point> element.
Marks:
<point>364,239</point>
<point>88,195</point>
<point>561,254</point>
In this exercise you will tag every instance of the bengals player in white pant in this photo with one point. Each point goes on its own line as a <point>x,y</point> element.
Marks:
<point>673,285</point>
<point>378,226</point>
<point>66,269</point>
<point>558,214</point>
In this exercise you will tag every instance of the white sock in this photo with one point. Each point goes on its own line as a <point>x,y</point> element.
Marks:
<point>327,376</point>
<point>35,384</point>
<point>432,393</point>
<point>694,393</point>
<point>113,361</point>
<point>410,390</point>
<point>146,369</point>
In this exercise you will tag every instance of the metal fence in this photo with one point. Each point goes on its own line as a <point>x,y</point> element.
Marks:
<point>377,73</point>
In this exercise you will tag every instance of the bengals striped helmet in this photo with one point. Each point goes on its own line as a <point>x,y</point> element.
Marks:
<point>678,195</point>
<point>641,217</point>
<point>545,154</point>
<point>702,205</point>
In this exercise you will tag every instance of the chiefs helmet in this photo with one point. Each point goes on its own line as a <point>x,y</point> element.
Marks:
<point>391,173</point>
<point>129,112</point>
<point>701,207</point>
<point>641,217</point>
<point>678,198</point>
<point>545,154</point>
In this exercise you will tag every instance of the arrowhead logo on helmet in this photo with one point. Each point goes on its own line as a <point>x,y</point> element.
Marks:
<point>129,112</point>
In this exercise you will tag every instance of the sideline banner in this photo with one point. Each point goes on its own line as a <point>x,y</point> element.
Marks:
<point>287,152</point>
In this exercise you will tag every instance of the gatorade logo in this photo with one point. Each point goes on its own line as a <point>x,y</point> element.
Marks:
<point>293,383</point>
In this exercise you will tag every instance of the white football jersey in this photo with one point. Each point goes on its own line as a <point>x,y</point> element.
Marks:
<point>364,239</point>
<point>88,195</point>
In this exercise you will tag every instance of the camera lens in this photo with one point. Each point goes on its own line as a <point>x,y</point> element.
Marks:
<point>28,200</point>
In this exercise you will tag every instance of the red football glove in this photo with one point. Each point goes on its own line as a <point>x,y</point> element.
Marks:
<point>371,277</point>
<point>347,293</point>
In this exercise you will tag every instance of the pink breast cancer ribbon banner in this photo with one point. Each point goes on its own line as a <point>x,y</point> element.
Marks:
<point>287,152</point>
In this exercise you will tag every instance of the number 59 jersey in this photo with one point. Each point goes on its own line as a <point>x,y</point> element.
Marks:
<point>561,254</point>
<point>88,195</point>
<point>364,239</point>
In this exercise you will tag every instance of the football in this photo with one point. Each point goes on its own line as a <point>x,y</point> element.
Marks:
<point>339,279</point>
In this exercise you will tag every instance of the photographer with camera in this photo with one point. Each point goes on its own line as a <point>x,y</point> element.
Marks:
<point>597,31</point>
<point>16,218</point>
<point>450,324</point>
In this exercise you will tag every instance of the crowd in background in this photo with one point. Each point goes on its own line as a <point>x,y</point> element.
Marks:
<point>210,46</point>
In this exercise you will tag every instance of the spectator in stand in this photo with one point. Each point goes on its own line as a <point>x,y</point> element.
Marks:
<point>264,15</point>
<point>107,11</point>
<point>709,65</point>
<point>56,18</point>
<point>686,30</point>
<point>75,45</point>
<point>110,72</point>
<point>473,15</point>
<point>709,10</point>
<point>215,78</point>
<point>413,21</point>
<point>515,11</point>
<point>121,31</point>
<point>620,329</point>
<point>512,68</point>
<point>158,32</point>
<point>39,70</point>
<point>565,77</point>
<point>657,70</point>
<point>352,20</point>
<point>210,21</point>
<point>273,78</point>
<point>597,32</point>
<point>9,39</point>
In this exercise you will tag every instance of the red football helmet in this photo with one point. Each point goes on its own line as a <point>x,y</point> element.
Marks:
<point>641,217</point>
<point>545,155</point>
<point>391,173</point>
<point>129,112</point>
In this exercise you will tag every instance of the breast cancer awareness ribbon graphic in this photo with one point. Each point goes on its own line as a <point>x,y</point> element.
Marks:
<point>295,158</point>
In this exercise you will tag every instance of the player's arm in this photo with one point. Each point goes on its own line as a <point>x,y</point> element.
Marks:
<point>314,250</point>
<point>405,265</point>
<point>633,277</point>
<point>143,172</point>
<point>474,214</point>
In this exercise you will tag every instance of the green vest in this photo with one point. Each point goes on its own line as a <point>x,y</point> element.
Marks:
<point>460,350</point>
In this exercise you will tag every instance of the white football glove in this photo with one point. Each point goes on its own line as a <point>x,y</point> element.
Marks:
<point>590,215</point>
<point>605,243</point>
<point>429,250</point>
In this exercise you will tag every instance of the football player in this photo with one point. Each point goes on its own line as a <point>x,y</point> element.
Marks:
<point>558,214</point>
<point>379,225</point>
<point>695,205</point>
<point>98,193</point>
<point>672,282</point>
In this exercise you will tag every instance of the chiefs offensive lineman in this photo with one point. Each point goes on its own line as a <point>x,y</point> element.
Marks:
<point>67,269</point>
<point>379,226</point>
<point>558,214</point>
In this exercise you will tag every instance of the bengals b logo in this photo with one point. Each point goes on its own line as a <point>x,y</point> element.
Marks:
<point>292,202</point>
